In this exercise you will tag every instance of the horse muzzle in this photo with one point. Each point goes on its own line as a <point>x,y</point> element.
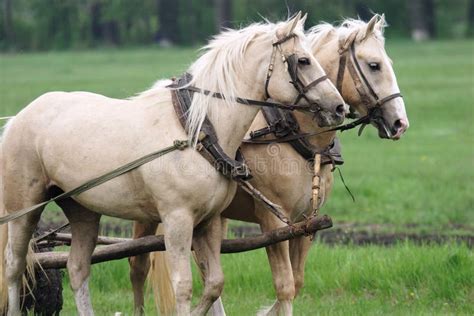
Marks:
<point>326,118</point>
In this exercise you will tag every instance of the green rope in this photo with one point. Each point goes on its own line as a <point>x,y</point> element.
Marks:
<point>177,145</point>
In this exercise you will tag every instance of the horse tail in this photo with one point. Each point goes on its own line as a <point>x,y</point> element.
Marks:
<point>3,281</point>
<point>29,281</point>
<point>3,245</point>
<point>159,277</point>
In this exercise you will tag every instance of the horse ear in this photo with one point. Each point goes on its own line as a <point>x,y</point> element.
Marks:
<point>289,26</point>
<point>302,21</point>
<point>370,25</point>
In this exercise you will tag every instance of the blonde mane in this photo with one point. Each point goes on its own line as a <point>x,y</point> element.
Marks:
<point>218,69</point>
<point>325,31</point>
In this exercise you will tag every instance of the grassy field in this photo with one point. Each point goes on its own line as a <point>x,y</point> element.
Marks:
<point>426,179</point>
<point>344,280</point>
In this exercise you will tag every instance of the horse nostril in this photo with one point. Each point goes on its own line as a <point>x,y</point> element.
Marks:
<point>340,110</point>
<point>399,124</point>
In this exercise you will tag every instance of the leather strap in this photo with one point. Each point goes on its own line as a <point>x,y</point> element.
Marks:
<point>287,107</point>
<point>208,145</point>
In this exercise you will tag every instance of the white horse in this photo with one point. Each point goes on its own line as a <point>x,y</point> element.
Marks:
<point>282,174</point>
<point>62,139</point>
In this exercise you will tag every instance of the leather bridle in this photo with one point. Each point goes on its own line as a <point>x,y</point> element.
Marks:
<point>362,85</point>
<point>292,66</point>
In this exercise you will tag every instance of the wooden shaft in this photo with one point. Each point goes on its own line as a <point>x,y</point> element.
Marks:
<point>129,248</point>
<point>66,238</point>
<point>316,182</point>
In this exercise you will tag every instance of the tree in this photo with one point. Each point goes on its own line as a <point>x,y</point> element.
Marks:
<point>470,19</point>
<point>168,21</point>
<point>7,21</point>
<point>422,17</point>
<point>223,13</point>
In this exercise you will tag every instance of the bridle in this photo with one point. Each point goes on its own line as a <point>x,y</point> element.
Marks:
<point>292,66</point>
<point>362,85</point>
<point>365,90</point>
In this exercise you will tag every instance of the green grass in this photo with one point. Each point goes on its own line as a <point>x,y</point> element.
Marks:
<point>344,280</point>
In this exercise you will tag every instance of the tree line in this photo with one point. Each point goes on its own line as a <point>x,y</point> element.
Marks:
<point>71,24</point>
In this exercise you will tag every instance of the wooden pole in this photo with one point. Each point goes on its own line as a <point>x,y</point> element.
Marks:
<point>316,183</point>
<point>129,248</point>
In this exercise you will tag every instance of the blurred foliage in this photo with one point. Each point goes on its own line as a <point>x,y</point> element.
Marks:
<point>71,24</point>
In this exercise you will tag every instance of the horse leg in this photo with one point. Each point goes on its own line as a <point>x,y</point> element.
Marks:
<point>19,235</point>
<point>299,248</point>
<point>139,266</point>
<point>217,309</point>
<point>178,227</point>
<point>279,258</point>
<point>18,194</point>
<point>84,229</point>
<point>207,248</point>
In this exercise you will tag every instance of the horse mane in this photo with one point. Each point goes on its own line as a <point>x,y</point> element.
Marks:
<point>218,69</point>
<point>324,31</point>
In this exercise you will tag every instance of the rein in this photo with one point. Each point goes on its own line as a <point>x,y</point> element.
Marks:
<point>177,145</point>
<point>267,130</point>
<point>218,95</point>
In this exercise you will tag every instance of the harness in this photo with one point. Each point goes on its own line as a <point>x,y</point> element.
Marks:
<point>285,126</point>
<point>208,144</point>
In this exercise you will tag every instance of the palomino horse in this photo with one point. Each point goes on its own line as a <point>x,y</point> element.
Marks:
<point>63,139</point>
<point>283,175</point>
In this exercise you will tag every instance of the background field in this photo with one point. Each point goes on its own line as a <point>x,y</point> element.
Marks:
<point>422,183</point>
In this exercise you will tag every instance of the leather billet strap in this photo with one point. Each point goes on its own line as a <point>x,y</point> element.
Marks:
<point>208,145</point>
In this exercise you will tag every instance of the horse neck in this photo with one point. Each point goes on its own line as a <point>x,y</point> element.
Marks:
<point>231,122</point>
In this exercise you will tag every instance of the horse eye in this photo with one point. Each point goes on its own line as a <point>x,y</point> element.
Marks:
<point>304,61</point>
<point>374,66</point>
